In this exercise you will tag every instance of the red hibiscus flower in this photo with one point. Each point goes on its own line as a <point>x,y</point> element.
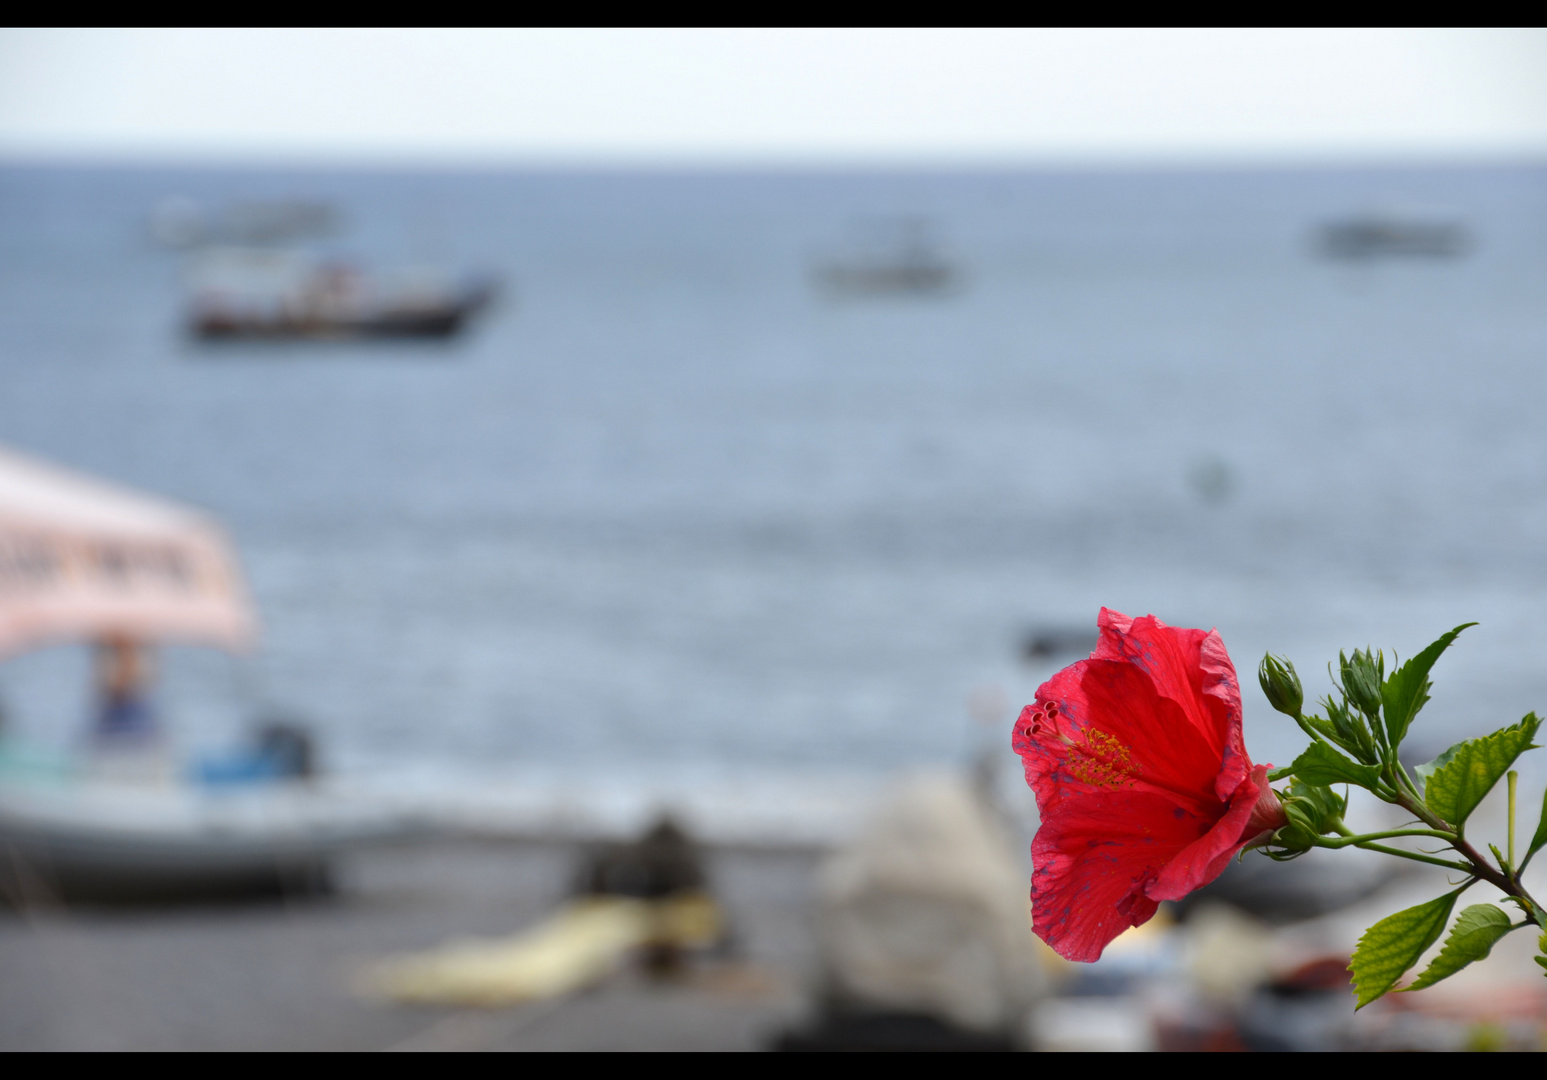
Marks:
<point>1142,781</point>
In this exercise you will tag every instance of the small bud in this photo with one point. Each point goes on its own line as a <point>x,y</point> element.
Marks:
<point>1342,723</point>
<point>1309,812</point>
<point>1361,677</point>
<point>1281,684</point>
<point>1301,829</point>
<point>1293,837</point>
<point>1317,808</point>
<point>1348,730</point>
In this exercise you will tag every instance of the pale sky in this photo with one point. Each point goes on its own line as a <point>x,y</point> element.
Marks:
<point>770,97</point>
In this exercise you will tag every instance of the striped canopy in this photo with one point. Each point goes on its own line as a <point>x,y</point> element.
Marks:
<point>82,559</point>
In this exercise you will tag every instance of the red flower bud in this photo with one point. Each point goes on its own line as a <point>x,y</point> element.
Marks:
<point>1142,781</point>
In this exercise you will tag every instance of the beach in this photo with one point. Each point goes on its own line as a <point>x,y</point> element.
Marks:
<point>284,974</point>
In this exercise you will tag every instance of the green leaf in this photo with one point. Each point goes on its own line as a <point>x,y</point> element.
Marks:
<point>1460,777</point>
<point>1394,944</point>
<point>1473,936</point>
<point>1321,765</point>
<point>1423,772</point>
<point>1541,833</point>
<point>1407,690</point>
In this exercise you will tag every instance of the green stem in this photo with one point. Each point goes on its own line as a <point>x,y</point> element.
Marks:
<point>1354,840</point>
<point>1463,867</point>
<point>1379,731</point>
<point>1414,804</point>
<point>1305,726</point>
<point>1405,782</point>
<point>1513,778</point>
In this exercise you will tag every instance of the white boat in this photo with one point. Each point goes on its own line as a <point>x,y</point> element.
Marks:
<point>181,223</point>
<point>76,836</point>
<point>82,560</point>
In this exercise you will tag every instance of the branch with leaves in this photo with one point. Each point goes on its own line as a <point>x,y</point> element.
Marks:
<point>1358,742</point>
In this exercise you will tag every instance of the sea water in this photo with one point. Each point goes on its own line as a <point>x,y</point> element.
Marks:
<point>672,516</point>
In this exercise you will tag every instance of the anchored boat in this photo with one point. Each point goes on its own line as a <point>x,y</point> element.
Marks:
<point>1390,235</point>
<point>276,295</point>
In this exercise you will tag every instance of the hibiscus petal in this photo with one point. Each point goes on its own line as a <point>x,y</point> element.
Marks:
<point>1206,858</point>
<point>1192,668</point>
<point>1094,862</point>
<point>1222,698</point>
<point>1110,730</point>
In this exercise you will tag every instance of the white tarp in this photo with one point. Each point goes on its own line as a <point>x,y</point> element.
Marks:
<point>81,559</point>
<point>925,911</point>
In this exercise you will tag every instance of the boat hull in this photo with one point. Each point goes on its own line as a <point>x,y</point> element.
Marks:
<point>417,321</point>
<point>119,844</point>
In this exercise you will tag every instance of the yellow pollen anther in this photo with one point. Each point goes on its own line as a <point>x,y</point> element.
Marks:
<point>1102,762</point>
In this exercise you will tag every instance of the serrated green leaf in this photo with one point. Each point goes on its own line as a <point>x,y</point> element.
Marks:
<point>1541,833</point>
<point>1407,689</point>
<point>1426,770</point>
<point>1321,765</point>
<point>1278,774</point>
<point>1394,944</point>
<point>1472,938</point>
<point>1467,771</point>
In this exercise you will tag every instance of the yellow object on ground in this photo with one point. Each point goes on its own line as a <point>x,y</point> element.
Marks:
<point>581,943</point>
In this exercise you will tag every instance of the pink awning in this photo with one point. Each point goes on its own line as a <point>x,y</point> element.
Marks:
<point>81,559</point>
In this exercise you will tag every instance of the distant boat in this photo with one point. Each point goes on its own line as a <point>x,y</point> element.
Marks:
<point>1394,236</point>
<point>181,223</point>
<point>888,258</point>
<point>277,295</point>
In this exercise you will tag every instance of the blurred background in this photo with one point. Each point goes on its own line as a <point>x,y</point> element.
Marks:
<point>659,465</point>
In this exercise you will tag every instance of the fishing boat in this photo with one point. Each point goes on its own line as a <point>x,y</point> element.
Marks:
<point>277,295</point>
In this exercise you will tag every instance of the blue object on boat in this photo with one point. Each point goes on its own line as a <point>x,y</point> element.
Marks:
<point>243,767</point>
